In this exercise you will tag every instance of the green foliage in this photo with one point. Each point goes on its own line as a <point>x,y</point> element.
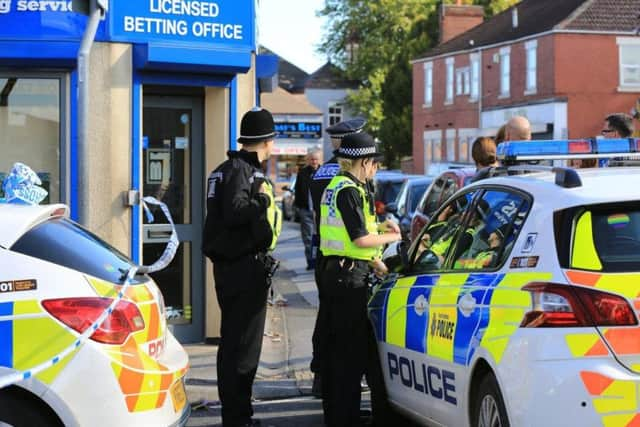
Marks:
<point>373,41</point>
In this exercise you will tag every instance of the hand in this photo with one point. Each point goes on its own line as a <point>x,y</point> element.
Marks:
<point>389,226</point>
<point>379,268</point>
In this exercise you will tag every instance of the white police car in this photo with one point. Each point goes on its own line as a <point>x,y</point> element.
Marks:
<point>521,307</point>
<point>56,281</point>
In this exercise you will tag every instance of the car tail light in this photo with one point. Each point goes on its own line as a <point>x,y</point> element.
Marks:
<point>80,313</point>
<point>556,305</point>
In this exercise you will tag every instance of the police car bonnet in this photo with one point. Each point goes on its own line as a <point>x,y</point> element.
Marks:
<point>256,125</point>
<point>357,146</point>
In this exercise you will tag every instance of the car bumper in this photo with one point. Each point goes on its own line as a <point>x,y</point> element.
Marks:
<point>98,388</point>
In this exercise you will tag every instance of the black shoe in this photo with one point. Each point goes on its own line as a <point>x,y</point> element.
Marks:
<point>316,388</point>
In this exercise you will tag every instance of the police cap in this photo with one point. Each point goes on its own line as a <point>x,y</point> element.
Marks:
<point>357,146</point>
<point>346,127</point>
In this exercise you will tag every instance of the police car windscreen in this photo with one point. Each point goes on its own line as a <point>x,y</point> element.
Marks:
<point>616,237</point>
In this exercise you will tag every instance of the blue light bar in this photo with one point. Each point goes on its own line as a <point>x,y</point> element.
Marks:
<point>567,149</point>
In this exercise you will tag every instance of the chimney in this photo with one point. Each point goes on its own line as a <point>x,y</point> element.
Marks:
<point>456,19</point>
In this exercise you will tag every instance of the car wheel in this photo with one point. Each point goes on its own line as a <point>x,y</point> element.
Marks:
<point>488,408</point>
<point>19,409</point>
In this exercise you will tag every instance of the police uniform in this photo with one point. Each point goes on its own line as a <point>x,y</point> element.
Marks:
<point>241,230</point>
<point>319,182</point>
<point>346,213</point>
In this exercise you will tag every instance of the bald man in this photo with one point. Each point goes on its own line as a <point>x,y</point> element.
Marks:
<point>517,128</point>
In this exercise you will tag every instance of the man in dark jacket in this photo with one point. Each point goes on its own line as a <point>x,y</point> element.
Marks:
<point>240,231</point>
<point>321,179</point>
<point>302,202</point>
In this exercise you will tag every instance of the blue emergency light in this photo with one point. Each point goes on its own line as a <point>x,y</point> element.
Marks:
<point>587,148</point>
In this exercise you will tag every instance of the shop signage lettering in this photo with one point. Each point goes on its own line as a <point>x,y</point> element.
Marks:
<point>40,6</point>
<point>304,130</point>
<point>183,18</point>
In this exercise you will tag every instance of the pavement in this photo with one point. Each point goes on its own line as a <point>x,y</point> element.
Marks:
<point>283,372</point>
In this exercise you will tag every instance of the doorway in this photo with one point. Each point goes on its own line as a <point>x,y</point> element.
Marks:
<point>172,167</point>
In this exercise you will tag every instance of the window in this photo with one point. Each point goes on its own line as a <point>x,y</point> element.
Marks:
<point>428,84</point>
<point>462,81</point>
<point>531,48</point>
<point>492,229</point>
<point>65,243</point>
<point>449,84</point>
<point>629,50</point>
<point>505,72</point>
<point>474,59</point>
<point>30,129</point>
<point>335,114</point>
<point>432,247</point>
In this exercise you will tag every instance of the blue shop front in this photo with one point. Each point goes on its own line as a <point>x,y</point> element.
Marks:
<point>168,82</point>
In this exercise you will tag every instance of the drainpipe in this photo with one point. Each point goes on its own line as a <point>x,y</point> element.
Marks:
<point>95,13</point>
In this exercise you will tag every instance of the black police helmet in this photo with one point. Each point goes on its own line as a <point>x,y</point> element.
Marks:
<point>256,125</point>
<point>358,146</point>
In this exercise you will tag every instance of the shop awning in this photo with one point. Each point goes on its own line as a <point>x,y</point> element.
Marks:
<point>192,58</point>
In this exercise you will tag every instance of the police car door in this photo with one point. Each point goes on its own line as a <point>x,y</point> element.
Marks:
<point>412,382</point>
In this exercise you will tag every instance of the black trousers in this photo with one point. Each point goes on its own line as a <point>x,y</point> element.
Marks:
<point>316,355</point>
<point>344,345</point>
<point>242,290</point>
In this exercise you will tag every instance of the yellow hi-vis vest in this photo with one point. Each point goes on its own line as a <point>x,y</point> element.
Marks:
<point>274,217</point>
<point>334,238</point>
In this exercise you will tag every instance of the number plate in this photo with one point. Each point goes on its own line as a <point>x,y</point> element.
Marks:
<point>178,395</point>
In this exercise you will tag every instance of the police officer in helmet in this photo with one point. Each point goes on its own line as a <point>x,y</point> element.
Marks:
<point>241,229</point>
<point>351,242</point>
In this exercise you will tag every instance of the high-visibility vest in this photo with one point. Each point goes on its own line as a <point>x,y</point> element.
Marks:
<point>274,216</point>
<point>334,238</point>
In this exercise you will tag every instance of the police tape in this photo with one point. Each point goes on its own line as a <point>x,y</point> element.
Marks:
<point>164,260</point>
<point>16,377</point>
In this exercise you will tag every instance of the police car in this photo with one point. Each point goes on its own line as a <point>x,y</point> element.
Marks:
<point>520,305</point>
<point>56,281</point>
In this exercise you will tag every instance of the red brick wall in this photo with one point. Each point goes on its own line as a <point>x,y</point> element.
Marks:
<point>455,20</point>
<point>587,72</point>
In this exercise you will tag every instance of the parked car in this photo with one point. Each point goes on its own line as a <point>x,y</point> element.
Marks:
<point>440,190</point>
<point>387,188</point>
<point>406,203</point>
<point>289,211</point>
<point>56,281</point>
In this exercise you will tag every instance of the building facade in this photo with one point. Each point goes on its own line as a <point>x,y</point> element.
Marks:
<point>564,66</point>
<point>167,87</point>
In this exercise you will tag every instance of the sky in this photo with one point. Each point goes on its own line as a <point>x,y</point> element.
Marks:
<point>291,29</point>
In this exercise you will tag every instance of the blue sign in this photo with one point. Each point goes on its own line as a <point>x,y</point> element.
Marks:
<point>305,130</point>
<point>211,22</point>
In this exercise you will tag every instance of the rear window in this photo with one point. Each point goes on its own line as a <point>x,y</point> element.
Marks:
<point>65,243</point>
<point>607,238</point>
<point>417,191</point>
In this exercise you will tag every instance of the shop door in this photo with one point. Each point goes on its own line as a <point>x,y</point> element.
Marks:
<point>173,155</point>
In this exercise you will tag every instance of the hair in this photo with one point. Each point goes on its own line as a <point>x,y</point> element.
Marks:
<point>346,164</point>
<point>482,154</point>
<point>500,134</point>
<point>622,123</point>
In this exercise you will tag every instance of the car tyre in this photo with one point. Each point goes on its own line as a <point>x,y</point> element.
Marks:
<point>488,406</point>
<point>17,409</point>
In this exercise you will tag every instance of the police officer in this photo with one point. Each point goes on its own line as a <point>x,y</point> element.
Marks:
<point>241,229</point>
<point>319,182</point>
<point>351,241</point>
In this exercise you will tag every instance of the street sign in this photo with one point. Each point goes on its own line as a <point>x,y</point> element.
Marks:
<point>84,6</point>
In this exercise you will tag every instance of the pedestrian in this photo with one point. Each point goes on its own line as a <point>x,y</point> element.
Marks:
<point>500,135</point>
<point>483,152</point>
<point>321,179</point>
<point>351,242</point>
<point>517,128</point>
<point>241,229</point>
<point>617,125</point>
<point>302,202</point>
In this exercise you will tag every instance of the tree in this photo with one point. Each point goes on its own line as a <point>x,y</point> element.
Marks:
<point>373,41</point>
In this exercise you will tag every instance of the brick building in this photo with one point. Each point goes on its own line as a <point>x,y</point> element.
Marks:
<point>564,65</point>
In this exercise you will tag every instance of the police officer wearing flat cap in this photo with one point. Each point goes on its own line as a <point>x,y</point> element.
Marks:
<point>319,182</point>
<point>241,229</point>
<point>351,242</point>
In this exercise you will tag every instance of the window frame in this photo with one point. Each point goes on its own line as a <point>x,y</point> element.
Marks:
<point>334,115</point>
<point>428,84</point>
<point>531,70</point>
<point>623,42</point>
<point>64,106</point>
<point>449,83</point>
<point>505,72</point>
<point>474,77</point>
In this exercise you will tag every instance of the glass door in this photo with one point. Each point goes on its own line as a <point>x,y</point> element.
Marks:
<point>173,153</point>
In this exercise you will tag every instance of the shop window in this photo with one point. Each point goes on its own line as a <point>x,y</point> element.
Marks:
<point>30,129</point>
